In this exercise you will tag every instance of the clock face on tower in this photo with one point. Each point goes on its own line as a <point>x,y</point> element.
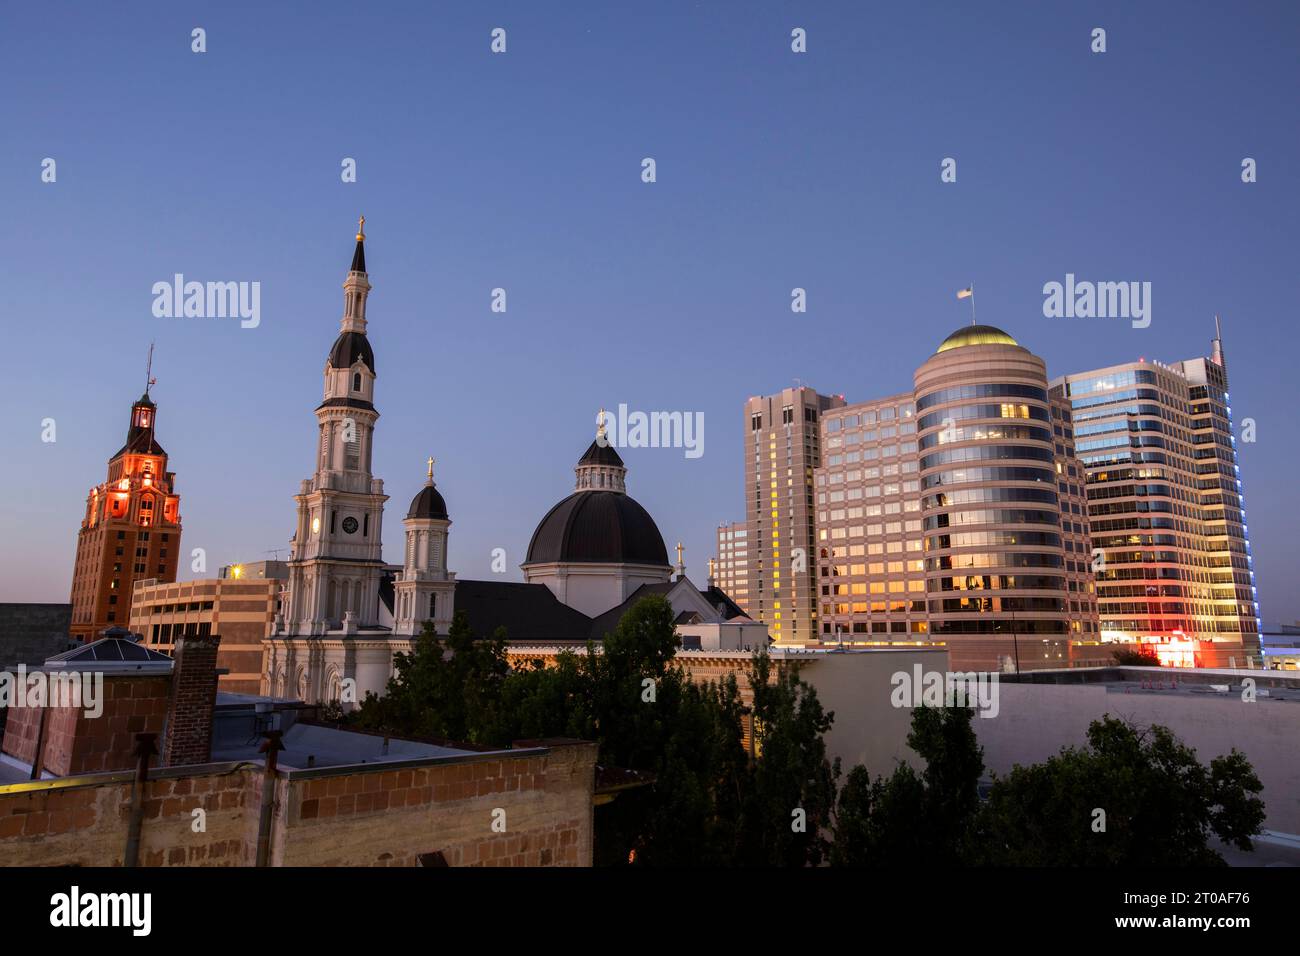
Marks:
<point>350,525</point>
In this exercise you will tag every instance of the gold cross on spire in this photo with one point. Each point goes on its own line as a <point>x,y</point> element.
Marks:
<point>600,422</point>
<point>361,229</point>
<point>430,464</point>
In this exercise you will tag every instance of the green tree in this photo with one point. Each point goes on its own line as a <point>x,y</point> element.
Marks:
<point>1141,656</point>
<point>911,819</point>
<point>446,687</point>
<point>787,803</point>
<point>705,804</point>
<point>1161,805</point>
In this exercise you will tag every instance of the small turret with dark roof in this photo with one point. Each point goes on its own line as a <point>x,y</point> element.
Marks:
<point>428,503</point>
<point>600,522</point>
<point>601,468</point>
<point>140,433</point>
<point>352,345</point>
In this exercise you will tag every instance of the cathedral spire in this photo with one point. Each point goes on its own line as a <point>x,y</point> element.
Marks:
<point>356,287</point>
<point>359,256</point>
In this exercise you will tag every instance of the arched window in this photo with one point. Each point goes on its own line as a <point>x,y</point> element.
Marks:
<point>356,381</point>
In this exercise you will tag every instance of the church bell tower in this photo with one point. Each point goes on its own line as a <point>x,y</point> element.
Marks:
<point>336,566</point>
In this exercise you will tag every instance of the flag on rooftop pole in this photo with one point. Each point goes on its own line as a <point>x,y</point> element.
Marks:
<point>969,293</point>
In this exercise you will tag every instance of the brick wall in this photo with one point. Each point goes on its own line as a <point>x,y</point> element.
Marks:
<point>87,826</point>
<point>188,738</point>
<point>75,743</point>
<point>358,816</point>
<point>390,817</point>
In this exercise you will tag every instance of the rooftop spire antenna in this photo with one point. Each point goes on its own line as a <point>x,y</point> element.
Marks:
<point>149,380</point>
<point>1216,355</point>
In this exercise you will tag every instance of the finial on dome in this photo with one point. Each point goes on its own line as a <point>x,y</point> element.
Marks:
<point>430,464</point>
<point>361,229</point>
<point>600,423</point>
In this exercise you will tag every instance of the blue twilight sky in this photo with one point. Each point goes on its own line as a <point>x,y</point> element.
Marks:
<point>522,171</point>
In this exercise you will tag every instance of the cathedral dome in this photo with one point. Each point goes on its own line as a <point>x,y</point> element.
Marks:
<point>349,347</point>
<point>428,503</point>
<point>598,527</point>
<point>975,335</point>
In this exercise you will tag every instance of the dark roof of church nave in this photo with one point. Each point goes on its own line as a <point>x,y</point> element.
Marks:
<point>530,613</point>
<point>602,624</point>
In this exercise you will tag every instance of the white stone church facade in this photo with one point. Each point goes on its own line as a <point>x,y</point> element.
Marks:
<point>345,613</point>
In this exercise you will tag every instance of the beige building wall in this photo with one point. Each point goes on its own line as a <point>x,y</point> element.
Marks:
<point>1036,720</point>
<point>782,448</point>
<point>239,611</point>
<point>856,685</point>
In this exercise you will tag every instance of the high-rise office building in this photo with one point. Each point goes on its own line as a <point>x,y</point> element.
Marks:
<point>782,447</point>
<point>955,512</point>
<point>131,529</point>
<point>731,567</point>
<point>1166,506</point>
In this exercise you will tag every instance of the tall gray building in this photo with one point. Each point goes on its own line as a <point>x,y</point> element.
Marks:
<point>1167,508</point>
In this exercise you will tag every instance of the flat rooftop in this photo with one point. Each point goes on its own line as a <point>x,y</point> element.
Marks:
<point>1208,683</point>
<point>239,721</point>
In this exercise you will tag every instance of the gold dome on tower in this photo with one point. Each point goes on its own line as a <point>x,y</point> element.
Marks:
<point>975,335</point>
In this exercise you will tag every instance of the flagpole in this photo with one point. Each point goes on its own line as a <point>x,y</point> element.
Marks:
<point>969,293</point>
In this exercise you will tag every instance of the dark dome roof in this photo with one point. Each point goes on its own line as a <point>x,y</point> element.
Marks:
<point>975,335</point>
<point>350,346</point>
<point>597,527</point>
<point>598,455</point>
<point>428,504</point>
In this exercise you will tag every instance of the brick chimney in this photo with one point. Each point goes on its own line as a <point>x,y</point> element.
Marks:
<point>188,735</point>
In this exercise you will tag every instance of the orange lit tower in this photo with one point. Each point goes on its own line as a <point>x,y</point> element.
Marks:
<point>131,530</point>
